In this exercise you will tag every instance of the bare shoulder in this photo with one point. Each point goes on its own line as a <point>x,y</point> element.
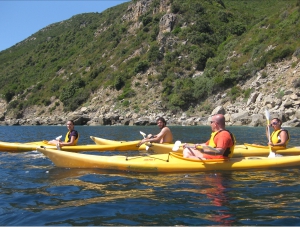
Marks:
<point>165,129</point>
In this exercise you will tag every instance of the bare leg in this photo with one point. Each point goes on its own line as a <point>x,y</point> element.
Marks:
<point>53,142</point>
<point>192,153</point>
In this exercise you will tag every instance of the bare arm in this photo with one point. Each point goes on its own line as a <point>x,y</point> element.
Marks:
<point>162,137</point>
<point>159,137</point>
<point>203,147</point>
<point>219,151</point>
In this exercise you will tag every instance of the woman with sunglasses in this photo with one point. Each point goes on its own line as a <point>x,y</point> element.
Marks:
<point>280,137</point>
<point>71,138</point>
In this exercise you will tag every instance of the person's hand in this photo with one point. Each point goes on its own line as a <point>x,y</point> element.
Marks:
<point>150,136</point>
<point>142,142</point>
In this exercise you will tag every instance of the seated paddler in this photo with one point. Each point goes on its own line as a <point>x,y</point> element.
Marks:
<point>219,146</point>
<point>280,137</point>
<point>71,137</point>
<point>164,136</point>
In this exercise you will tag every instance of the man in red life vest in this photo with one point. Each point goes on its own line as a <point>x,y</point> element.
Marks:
<point>221,140</point>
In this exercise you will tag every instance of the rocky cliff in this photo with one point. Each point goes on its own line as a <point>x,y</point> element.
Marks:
<point>276,88</point>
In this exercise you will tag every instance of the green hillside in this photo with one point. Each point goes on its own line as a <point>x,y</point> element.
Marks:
<point>213,45</point>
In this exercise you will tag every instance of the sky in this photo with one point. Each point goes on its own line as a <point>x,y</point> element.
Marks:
<point>21,19</point>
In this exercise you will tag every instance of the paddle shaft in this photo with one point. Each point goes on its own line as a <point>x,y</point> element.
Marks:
<point>272,153</point>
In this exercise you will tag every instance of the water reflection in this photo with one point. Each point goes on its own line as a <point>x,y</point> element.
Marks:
<point>219,197</point>
<point>95,187</point>
<point>215,196</point>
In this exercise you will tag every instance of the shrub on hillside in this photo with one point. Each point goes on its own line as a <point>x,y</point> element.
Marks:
<point>238,28</point>
<point>8,95</point>
<point>281,54</point>
<point>127,93</point>
<point>119,83</point>
<point>13,104</point>
<point>154,54</point>
<point>141,66</point>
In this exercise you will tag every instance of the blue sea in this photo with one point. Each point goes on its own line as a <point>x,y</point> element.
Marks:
<point>33,192</point>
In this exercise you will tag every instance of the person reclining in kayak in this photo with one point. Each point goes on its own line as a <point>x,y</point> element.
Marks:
<point>221,139</point>
<point>71,138</point>
<point>280,137</point>
<point>165,135</point>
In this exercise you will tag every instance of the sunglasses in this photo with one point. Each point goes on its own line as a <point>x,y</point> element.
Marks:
<point>274,123</point>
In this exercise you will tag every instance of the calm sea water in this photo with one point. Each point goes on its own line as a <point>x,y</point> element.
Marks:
<point>35,192</point>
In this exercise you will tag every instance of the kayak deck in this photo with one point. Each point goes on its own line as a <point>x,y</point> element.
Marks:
<point>23,147</point>
<point>163,163</point>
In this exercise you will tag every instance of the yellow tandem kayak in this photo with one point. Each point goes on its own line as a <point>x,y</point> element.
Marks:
<point>243,150</point>
<point>22,147</point>
<point>156,148</point>
<point>163,163</point>
<point>247,150</point>
<point>102,141</point>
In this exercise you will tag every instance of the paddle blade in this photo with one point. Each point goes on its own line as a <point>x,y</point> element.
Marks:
<point>272,154</point>
<point>267,114</point>
<point>143,134</point>
<point>176,145</point>
<point>58,138</point>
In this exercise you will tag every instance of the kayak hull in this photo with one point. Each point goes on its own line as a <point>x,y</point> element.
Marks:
<point>244,150</point>
<point>156,148</point>
<point>102,141</point>
<point>163,163</point>
<point>23,147</point>
<point>248,150</point>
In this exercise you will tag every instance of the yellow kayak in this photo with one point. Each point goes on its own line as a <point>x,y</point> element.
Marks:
<point>247,150</point>
<point>244,150</point>
<point>163,163</point>
<point>102,141</point>
<point>157,148</point>
<point>22,147</point>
